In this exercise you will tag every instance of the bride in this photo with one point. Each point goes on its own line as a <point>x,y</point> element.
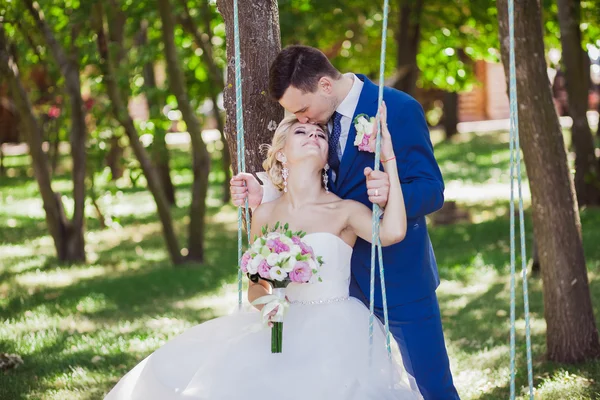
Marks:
<point>326,337</point>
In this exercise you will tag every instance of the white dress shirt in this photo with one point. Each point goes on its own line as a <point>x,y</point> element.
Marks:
<point>347,108</point>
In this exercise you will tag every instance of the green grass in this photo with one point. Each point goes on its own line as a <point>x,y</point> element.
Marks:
<point>79,328</point>
<point>475,302</point>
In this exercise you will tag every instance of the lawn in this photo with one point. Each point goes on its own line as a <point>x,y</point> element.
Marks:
<point>79,328</point>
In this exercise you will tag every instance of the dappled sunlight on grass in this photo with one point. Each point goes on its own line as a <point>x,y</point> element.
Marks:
<point>59,277</point>
<point>564,385</point>
<point>475,158</point>
<point>221,302</point>
<point>474,380</point>
<point>476,326</point>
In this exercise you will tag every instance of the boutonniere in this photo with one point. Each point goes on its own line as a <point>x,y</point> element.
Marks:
<point>364,129</point>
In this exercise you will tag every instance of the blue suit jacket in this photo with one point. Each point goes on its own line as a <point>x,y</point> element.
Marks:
<point>410,266</point>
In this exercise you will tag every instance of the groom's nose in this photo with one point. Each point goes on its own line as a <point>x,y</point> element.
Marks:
<point>302,119</point>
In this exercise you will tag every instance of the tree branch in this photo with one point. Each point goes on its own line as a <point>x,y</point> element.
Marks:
<point>204,43</point>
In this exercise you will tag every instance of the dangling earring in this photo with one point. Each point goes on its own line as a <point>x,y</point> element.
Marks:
<point>285,172</point>
<point>326,178</point>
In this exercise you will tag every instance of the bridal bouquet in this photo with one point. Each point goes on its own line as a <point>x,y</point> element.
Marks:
<point>280,257</point>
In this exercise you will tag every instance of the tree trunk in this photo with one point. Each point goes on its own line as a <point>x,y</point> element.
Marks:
<point>54,149</point>
<point>113,158</point>
<point>408,36</point>
<point>450,118</point>
<point>535,260</point>
<point>160,154</point>
<point>578,84</point>
<point>571,328</point>
<point>94,199</point>
<point>120,111</point>
<point>225,157</point>
<point>69,69</point>
<point>259,44</point>
<point>62,232</point>
<point>204,42</point>
<point>200,156</point>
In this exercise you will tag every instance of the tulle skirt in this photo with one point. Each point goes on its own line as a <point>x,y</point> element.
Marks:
<point>325,356</point>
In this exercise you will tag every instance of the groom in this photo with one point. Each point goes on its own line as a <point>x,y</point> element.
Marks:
<point>305,83</point>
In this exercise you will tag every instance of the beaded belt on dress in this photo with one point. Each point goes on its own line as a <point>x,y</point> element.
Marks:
<point>320,301</point>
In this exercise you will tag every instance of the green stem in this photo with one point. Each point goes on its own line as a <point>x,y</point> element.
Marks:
<point>277,337</point>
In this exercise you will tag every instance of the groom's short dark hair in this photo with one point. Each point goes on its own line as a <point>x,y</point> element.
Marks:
<point>301,67</point>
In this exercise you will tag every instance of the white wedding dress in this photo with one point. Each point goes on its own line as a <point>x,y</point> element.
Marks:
<point>325,350</point>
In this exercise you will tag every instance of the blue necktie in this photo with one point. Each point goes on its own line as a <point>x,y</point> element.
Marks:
<point>334,141</point>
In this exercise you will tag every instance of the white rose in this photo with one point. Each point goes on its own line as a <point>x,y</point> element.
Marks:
<point>289,265</point>
<point>295,250</point>
<point>359,138</point>
<point>277,274</point>
<point>256,246</point>
<point>273,259</point>
<point>253,265</point>
<point>287,241</point>
<point>362,121</point>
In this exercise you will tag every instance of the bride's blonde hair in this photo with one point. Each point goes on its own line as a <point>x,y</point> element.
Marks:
<point>272,165</point>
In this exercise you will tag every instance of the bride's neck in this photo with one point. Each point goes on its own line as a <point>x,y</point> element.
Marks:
<point>303,187</point>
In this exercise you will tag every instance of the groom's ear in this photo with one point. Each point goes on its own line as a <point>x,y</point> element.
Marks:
<point>326,84</point>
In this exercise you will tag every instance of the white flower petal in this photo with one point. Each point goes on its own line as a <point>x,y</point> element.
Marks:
<point>277,274</point>
<point>273,259</point>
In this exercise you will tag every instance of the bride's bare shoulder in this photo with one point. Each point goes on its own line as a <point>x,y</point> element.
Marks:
<point>262,212</point>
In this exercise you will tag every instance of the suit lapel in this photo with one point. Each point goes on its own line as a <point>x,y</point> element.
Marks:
<point>367,104</point>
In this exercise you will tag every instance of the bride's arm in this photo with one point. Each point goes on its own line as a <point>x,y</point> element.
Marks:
<point>260,288</point>
<point>392,228</point>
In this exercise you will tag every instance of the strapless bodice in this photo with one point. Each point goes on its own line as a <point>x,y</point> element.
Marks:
<point>335,272</point>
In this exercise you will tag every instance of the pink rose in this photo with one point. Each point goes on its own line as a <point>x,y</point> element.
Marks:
<point>245,260</point>
<point>363,147</point>
<point>306,249</point>
<point>365,144</point>
<point>301,272</point>
<point>263,269</point>
<point>277,246</point>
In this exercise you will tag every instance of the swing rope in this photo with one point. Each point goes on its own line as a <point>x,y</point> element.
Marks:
<point>375,241</point>
<point>515,159</point>
<point>241,156</point>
